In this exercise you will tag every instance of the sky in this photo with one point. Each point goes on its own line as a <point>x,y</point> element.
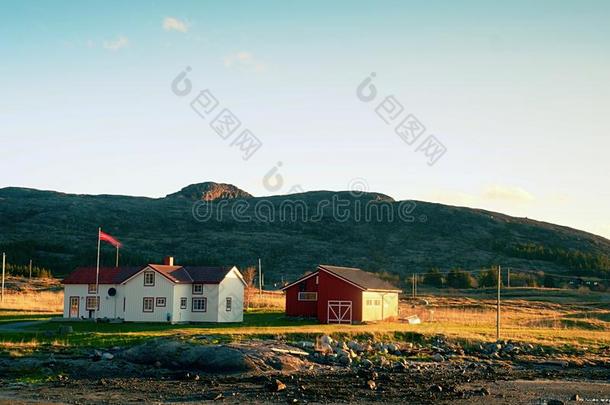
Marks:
<point>517,93</point>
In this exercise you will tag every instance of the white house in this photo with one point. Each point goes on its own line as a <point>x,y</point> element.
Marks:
<point>156,293</point>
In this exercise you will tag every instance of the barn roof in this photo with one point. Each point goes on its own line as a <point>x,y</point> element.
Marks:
<point>360,278</point>
<point>364,279</point>
<point>175,274</point>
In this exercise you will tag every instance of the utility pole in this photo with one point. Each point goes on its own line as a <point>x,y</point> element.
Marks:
<point>413,286</point>
<point>3,269</point>
<point>260,279</point>
<point>31,270</point>
<point>498,304</point>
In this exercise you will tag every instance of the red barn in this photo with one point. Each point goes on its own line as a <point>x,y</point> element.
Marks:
<point>342,295</point>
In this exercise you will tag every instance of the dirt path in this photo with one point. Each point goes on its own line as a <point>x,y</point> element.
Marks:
<point>541,391</point>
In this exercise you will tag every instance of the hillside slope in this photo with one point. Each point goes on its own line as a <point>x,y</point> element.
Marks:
<point>209,224</point>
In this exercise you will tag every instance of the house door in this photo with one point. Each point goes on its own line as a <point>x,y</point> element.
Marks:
<point>339,312</point>
<point>74,307</point>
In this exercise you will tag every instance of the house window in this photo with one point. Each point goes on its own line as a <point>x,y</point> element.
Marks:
<point>371,303</point>
<point>92,289</point>
<point>161,301</point>
<point>308,296</point>
<point>91,304</point>
<point>148,304</point>
<point>197,289</point>
<point>183,303</point>
<point>377,303</point>
<point>228,303</point>
<point>200,304</point>
<point>149,278</point>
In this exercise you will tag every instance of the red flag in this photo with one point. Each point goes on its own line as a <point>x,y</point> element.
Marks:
<point>107,238</point>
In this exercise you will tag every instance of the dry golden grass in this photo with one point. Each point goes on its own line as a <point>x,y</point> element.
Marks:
<point>272,301</point>
<point>34,301</point>
<point>537,322</point>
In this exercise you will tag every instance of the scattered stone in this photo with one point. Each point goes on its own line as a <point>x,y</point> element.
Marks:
<point>558,363</point>
<point>306,344</point>
<point>438,357</point>
<point>482,392</point>
<point>355,346</point>
<point>371,385</point>
<point>107,356</point>
<point>366,363</point>
<point>436,388</point>
<point>276,386</point>
<point>97,355</point>
<point>576,397</point>
<point>217,397</point>
<point>342,353</point>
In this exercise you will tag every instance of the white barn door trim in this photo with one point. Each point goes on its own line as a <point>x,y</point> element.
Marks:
<point>339,312</point>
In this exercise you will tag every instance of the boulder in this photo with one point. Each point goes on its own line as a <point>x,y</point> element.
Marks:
<point>355,346</point>
<point>366,363</point>
<point>438,357</point>
<point>180,354</point>
<point>343,353</point>
<point>325,339</point>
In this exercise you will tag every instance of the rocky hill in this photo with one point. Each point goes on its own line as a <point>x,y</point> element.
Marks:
<point>219,224</point>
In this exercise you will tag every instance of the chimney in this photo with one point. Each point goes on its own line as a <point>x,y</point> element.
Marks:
<point>168,261</point>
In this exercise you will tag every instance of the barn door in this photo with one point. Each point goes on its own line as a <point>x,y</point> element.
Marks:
<point>339,312</point>
<point>74,307</point>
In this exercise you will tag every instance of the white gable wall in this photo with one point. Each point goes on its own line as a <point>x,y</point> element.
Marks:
<point>210,292</point>
<point>232,287</point>
<point>135,291</point>
<point>387,308</point>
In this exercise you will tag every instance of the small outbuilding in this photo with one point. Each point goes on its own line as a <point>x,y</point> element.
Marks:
<point>348,295</point>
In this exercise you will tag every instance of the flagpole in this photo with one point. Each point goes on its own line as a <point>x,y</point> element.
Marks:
<point>97,271</point>
<point>117,256</point>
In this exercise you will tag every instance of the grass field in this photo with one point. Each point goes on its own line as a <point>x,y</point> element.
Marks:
<point>546,317</point>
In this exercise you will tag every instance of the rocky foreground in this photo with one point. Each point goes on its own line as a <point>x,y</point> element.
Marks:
<point>324,371</point>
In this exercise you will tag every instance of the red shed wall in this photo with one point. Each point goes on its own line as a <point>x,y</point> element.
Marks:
<point>294,307</point>
<point>332,288</point>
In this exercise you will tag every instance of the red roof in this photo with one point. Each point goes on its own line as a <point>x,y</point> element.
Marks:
<point>175,274</point>
<point>108,275</point>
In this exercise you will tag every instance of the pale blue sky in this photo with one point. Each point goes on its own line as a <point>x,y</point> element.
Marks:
<point>518,93</point>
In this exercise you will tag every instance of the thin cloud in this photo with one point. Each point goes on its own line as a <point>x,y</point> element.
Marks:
<point>174,24</point>
<point>505,193</point>
<point>245,61</point>
<point>119,43</point>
